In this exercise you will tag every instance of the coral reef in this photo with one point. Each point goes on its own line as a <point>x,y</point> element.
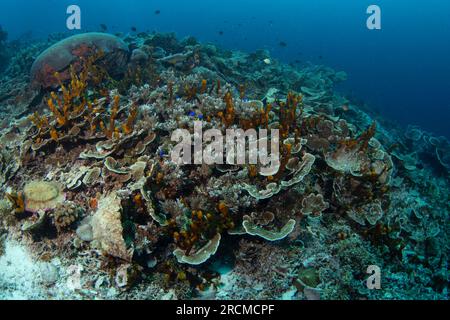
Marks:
<point>88,178</point>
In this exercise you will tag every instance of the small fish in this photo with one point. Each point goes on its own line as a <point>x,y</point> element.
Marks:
<point>134,29</point>
<point>320,57</point>
<point>104,27</point>
<point>283,44</point>
<point>267,61</point>
<point>221,33</point>
<point>157,12</point>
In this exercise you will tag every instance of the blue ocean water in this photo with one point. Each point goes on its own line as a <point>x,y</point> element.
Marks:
<point>402,70</point>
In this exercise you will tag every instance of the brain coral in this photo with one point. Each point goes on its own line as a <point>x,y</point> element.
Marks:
<point>61,55</point>
<point>41,195</point>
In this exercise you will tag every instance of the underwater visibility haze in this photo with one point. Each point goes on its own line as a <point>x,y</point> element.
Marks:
<point>118,175</point>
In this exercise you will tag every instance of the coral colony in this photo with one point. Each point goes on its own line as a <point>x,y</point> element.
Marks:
<point>155,168</point>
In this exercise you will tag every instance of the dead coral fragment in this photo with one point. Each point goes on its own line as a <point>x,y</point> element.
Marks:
<point>107,228</point>
<point>254,230</point>
<point>42,195</point>
<point>202,255</point>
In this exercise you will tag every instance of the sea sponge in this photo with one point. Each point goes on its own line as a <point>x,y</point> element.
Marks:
<point>42,195</point>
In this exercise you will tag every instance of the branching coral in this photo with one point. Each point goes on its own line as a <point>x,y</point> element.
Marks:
<point>77,113</point>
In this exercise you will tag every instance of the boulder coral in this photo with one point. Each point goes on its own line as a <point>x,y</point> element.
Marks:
<point>59,57</point>
<point>42,195</point>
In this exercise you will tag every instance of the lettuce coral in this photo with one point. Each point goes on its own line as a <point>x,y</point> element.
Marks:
<point>254,230</point>
<point>201,255</point>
